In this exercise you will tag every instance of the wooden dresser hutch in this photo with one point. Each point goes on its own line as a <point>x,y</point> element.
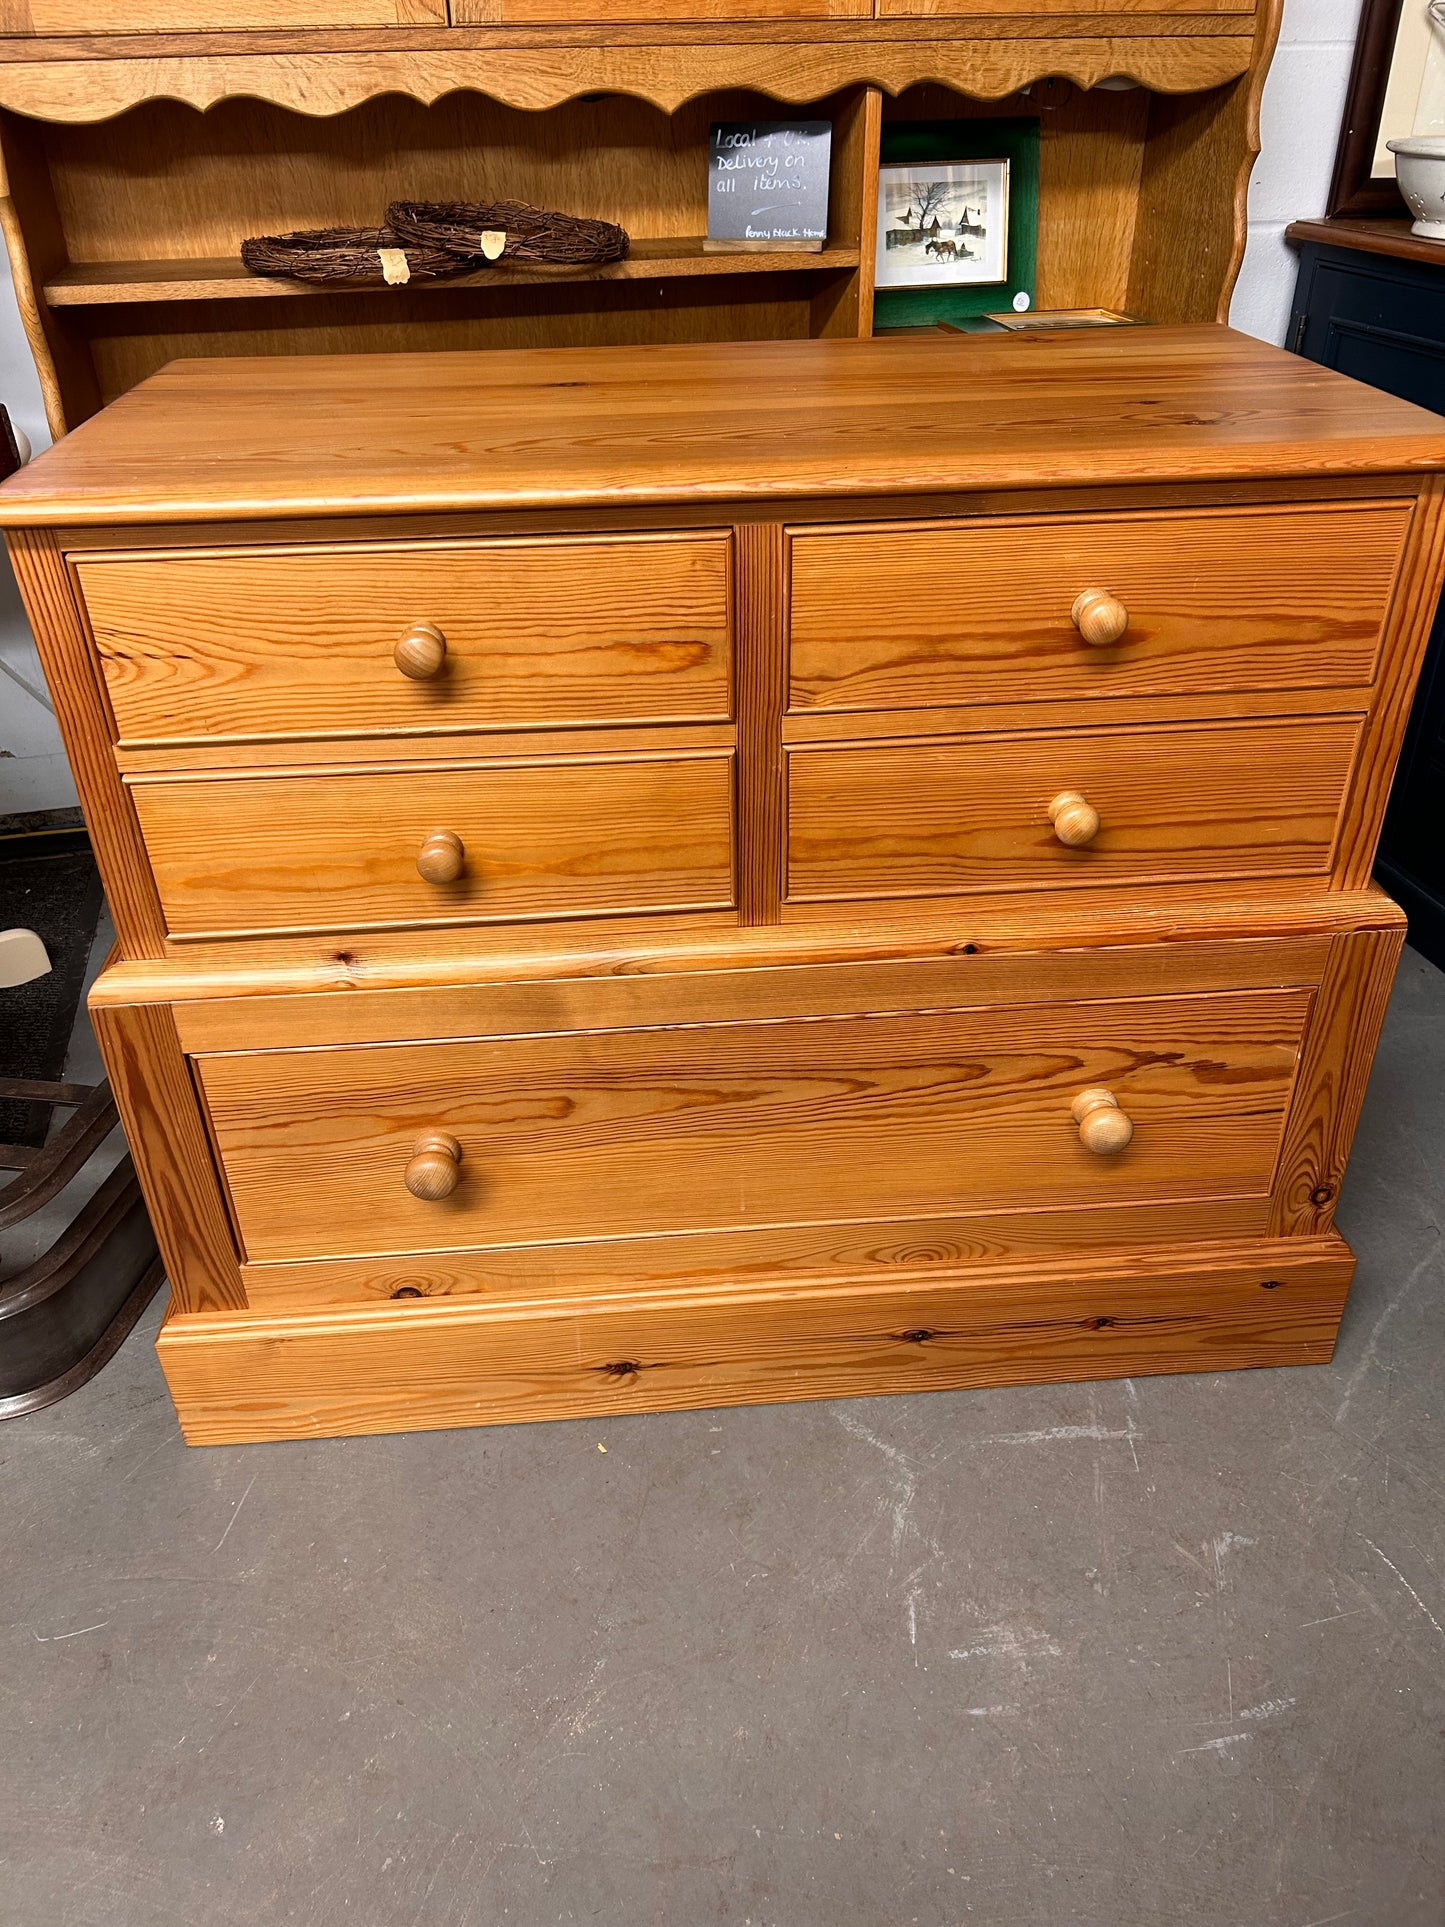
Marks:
<point>725,865</point>
<point>136,160</point>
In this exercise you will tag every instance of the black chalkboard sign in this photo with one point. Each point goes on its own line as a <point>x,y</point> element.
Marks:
<point>767,184</point>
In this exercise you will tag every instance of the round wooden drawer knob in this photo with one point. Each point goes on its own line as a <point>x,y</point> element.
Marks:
<point>1074,818</point>
<point>1103,1127</point>
<point>440,858</point>
<point>435,1169</point>
<point>421,652</point>
<point>1099,617</point>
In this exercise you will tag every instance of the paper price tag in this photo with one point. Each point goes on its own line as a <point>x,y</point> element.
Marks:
<point>492,243</point>
<point>394,268</point>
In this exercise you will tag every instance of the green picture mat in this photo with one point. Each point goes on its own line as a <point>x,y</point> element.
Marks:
<point>1017,142</point>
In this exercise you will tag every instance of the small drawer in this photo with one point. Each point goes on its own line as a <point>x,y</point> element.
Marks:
<point>1167,804</point>
<point>469,843</point>
<point>1078,10</point>
<point>1202,602</point>
<point>427,1147</point>
<point>650,13</point>
<point>255,643</point>
<point>213,16</point>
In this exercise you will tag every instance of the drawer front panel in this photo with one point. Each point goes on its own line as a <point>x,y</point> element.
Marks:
<point>1072,9</point>
<point>632,1133</point>
<point>1269,598</point>
<point>650,13</point>
<point>269,642</point>
<point>210,16</point>
<point>1175,803</point>
<point>339,851</point>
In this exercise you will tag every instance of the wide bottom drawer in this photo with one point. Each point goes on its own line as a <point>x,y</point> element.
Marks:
<point>734,1126</point>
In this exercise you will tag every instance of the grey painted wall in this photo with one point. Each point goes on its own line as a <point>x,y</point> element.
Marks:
<point>33,771</point>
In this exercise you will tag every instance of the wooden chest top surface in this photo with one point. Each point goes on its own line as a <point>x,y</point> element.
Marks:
<point>238,439</point>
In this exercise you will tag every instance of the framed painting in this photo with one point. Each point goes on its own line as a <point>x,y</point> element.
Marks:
<point>1397,87</point>
<point>942,224</point>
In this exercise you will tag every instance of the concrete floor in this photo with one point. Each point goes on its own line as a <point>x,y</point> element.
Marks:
<point>1149,1654</point>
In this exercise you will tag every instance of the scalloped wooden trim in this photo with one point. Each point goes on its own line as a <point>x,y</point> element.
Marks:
<point>28,304</point>
<point>69,91</point>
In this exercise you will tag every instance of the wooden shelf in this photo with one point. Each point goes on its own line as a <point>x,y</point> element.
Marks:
<point>93,284</point>
<point>1376,236</point>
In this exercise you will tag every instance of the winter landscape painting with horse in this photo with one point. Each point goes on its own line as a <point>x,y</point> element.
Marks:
<point>942,224</point>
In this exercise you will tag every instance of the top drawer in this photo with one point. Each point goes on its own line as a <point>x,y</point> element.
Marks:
<point>210,16</point>
<point>652,13</point>
<point>1086,10</point>
<point>910,615</point>
<point>302,642</point>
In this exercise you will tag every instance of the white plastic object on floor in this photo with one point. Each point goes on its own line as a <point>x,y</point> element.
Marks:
<point>23,958</point>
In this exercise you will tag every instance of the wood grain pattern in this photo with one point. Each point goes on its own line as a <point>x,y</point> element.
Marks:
<point>762,805</point>
<point>1080,9</point>
<point>157,1103</point>
<point>104,284</point>
<point>1344,1031</point>
<point>1045,921</point>
<point>870,135</point>
<point>1221,600</point>
<point>210,16</point>
<point>150,208</point>
<point>843,304</point>
<point>561,838</point>
<point>1200,152</point>
<point>712,422</point>
<point>976,10</point>
<point>936,816</point>
<point>36,244</point>
<point>948,719</point>
<point>901,1250</point>
<point>682,1157</point>
<point>550,13</point>
<point>251,168</point>
<point>1181,1308</point>
<point>1378,235</point>
<point>276,642</point>
<point>1417,595</point>
<point>715,1127</point>
<point>151,202</point>
<point>383,750</point>
<point>85,729</point>
<point>1121,19</point>
<point>1091,156</point>
<point>609,518</point>
<point>634,996</point>
<point>436,319</point>
<point>533,74</point>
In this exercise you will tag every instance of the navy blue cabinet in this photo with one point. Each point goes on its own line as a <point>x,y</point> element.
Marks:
<point>1382,320</point>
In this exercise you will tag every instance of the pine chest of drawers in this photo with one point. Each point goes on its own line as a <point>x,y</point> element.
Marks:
<point>694,875</point>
